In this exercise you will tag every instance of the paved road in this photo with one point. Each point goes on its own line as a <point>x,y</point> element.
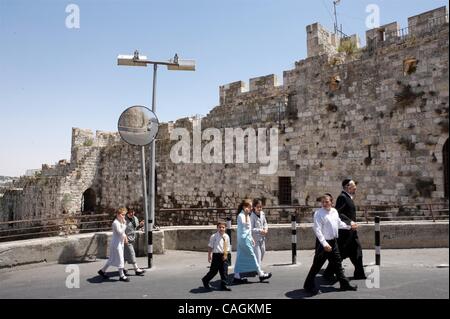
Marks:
<point>413,273</point>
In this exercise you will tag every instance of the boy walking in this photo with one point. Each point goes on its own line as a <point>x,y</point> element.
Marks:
<point>218,249</point>
<point>326,225</point>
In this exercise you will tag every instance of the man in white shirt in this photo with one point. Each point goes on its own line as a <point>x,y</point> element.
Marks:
<point>326,226</point>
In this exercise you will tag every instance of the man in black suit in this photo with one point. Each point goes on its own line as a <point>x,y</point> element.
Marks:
<point>348,240</point>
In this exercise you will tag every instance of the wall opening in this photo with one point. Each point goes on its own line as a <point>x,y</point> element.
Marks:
<point>284,191</point>
<point>445,163</point>
<point>88,201</point>
<point>10,217</point>
<point>381,35</point>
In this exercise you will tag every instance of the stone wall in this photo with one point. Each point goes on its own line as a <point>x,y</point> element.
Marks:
<point>378,114</point>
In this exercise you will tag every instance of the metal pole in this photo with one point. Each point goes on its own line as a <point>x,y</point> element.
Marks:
<point>144,191</point>
<point>229,235</point>
<point>151,179</point>
<point>377,241</point>
<point>335,18</point>
<point>294,239</point>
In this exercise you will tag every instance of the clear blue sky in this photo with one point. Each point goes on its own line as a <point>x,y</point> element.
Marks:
<point>53,78</point>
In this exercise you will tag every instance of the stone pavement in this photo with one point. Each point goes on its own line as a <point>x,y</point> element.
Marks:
<point>404,274</point>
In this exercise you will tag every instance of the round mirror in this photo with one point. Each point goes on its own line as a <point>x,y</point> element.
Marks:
<point>138,125</point>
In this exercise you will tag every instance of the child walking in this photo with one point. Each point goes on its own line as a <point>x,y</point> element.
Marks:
<point>117,243</point>
<point>245,258</point>
<point>259,230</point>
<point>218,249</point>
<point>326,225</point>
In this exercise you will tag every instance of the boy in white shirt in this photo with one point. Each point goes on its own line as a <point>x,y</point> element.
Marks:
<point>218,249</point>
<point>326,225</point>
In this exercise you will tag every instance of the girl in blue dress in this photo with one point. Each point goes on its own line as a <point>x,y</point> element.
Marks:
<point>245,258</point>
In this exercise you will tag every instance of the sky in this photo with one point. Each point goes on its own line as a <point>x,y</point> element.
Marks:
<point>54,77</point>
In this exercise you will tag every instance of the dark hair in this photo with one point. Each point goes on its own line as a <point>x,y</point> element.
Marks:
<point>221,222</point>
<point>257,201</point>
<point>244,203</point>
<point>327,194</point>
<point>345,182</point>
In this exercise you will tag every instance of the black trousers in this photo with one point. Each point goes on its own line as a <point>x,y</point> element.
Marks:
<point>334,259</point>
<point>350,247</point>
<point>218,265</point>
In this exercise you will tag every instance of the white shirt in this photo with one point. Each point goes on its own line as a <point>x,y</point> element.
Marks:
<point>326,225</point>
<point>349,195</point>
<point>216,242</point>
<point>258,223</point>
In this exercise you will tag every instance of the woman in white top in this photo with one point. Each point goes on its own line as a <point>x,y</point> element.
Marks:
<point>259,229</point>
<point>245,256</point>
<point>326,225</point>
<point>117,244</point>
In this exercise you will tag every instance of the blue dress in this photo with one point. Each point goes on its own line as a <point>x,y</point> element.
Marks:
<point>245,258</point>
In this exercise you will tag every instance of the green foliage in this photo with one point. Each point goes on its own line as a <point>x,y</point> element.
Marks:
<point>348,47</point>
<point>88,142</point>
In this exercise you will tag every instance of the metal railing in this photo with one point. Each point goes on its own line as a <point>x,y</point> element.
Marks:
<point>365,213</point>
<point>62,226</point>
<point>400,34</point>
<point>79,223</point>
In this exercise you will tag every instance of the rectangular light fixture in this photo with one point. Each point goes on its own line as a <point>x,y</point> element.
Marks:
<point>129,60</point>
<point>183,65</point>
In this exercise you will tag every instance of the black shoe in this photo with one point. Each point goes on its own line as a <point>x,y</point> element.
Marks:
<point>225,288</point>
<point>240,280</point>
<point>348,287</point>
<point>102,274</point>
<point>123,278</point>
<point>265,277</point>
<point>206,284</point>
<point>359,276</point>
<point>140,272</point>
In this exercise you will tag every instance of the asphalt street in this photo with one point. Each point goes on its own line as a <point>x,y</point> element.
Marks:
<point>404,274</point>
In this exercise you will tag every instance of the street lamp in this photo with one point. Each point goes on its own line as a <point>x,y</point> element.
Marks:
<point>174,64</point>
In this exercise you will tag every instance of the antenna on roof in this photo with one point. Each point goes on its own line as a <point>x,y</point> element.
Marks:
<point>336,29</point>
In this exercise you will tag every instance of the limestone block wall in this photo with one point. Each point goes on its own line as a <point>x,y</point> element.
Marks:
<point>378,114</point>
<point>58,189</point>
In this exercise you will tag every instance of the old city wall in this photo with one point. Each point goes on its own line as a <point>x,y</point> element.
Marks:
<point>378,114</point>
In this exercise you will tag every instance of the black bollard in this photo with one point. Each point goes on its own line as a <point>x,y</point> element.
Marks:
<point>294,239</point>
<point>377,241</point>
<point>229,235</point>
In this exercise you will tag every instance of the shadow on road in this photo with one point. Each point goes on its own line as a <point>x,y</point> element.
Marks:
<point>99,279</point>
<point>298,294</point>
<point>199,290</point>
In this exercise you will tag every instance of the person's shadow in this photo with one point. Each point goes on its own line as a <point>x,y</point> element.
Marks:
<point>323,286</point>
<point>215,286</point>
<point>97,279</point>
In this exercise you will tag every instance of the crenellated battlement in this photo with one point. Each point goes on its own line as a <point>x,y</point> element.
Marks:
<point>263,82</point>
<point>260,85</point>
<point>320,41</point>
<point>86,138</point>
<point>229,91</point>
<point>325,47</point>
<point>424,21</point>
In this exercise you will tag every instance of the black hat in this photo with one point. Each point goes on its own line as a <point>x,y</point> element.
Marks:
<point>345,182</point>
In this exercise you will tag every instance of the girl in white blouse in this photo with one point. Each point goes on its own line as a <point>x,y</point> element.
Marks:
<point>116,248</point>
